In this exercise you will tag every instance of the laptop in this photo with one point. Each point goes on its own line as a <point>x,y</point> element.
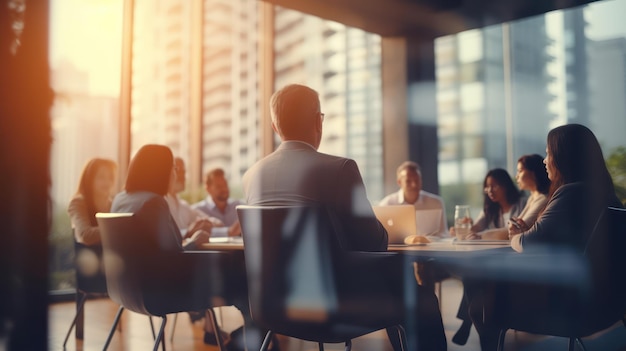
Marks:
<point>399,221</point>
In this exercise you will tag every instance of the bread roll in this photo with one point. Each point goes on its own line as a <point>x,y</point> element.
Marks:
<point>416,239</point>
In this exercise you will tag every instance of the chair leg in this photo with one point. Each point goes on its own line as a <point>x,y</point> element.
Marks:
<point>320,346</point>
<point>571,344</point>
<point>216,329</point>
<point>80,303</point>
<point>439,291</point>
<point>152,327</point>
<point>348,345</point>
<point>501,338</point>
<point>402,335</point>
<point>267,340</point>
<point>160,335</point>
<point>173,327</point>
<point>580,343</point>
<point>113,327</point>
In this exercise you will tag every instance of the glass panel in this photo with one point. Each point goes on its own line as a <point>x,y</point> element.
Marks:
<point>85,52</point>
<point>518,80</point>
<point>343,65</point>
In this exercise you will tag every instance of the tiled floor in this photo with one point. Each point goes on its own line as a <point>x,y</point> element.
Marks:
<point>136,334</point>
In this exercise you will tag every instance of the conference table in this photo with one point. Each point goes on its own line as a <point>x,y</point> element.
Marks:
<point>447,247</point>
<point>491,260</point>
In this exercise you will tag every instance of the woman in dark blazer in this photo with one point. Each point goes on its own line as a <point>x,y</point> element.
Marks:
<point>581,190</point>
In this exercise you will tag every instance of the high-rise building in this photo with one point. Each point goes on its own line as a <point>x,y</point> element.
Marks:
<point>230,86</point>
<point>343,65</point>
<point>576,66</point>
<point>607,85</point>
<point>83,126</point>
<point>491,80</point>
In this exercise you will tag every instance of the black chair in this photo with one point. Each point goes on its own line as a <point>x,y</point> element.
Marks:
<point>574,312</point>
<point>90,283</point>
<point>146,280</point>
<point>303,285</point>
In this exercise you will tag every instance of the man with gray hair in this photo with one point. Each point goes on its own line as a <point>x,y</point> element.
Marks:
<point>297,174</point>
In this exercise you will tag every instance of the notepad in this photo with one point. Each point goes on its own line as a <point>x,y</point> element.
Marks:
<point>428,221</point>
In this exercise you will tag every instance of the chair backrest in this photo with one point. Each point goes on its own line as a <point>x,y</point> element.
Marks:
<point>605,251</point>
<point>123,258</point>
<point>301,283</point>
<point>289,259</point>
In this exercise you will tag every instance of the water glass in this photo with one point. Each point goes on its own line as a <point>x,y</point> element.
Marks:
<point>462,221</point>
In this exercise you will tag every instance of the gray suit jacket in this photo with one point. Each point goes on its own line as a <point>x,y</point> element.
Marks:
<point>296,174</point>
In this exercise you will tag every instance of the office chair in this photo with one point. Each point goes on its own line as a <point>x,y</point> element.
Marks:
<point>146,280</point>
<point>303,285</point>
<point>573,312</point>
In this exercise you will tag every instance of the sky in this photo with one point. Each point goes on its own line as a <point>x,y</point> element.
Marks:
<point>606,19</point>
<point>88,33</point>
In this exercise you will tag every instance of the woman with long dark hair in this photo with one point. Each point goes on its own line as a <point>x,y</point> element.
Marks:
<point>502,201</point>
<point>532,177</point>
<point>581,189</point>
<point>93,195</point>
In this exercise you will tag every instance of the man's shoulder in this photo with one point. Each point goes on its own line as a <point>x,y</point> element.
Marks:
<point>311,156</point>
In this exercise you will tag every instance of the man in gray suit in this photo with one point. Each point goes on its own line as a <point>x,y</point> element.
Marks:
<point>296,173</point>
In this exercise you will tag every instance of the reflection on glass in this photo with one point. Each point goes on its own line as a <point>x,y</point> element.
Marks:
<point>565,67</point>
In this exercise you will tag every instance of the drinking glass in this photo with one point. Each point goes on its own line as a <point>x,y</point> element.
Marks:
<point>462,221</point>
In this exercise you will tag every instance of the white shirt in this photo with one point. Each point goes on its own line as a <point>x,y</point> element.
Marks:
<point>182,213</point>
<point>426,201</point>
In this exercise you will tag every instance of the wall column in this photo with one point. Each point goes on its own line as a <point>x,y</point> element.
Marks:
<point>395,114</point>
<point>422,109</point>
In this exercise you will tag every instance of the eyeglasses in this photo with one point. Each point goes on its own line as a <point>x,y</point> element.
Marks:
<point>492,188</point>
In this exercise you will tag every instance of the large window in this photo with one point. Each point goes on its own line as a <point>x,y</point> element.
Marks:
<point>308,50</point>
<point>525,78</point>
<point>85,53</point>
<point>343,65</point>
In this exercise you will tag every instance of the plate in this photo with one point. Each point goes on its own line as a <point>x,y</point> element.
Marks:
<point>482,242</point>
<point>417,244</point>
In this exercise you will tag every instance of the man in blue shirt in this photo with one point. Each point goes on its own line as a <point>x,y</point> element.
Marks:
<point>218,204</point>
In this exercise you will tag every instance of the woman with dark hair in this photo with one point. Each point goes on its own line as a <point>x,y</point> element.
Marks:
<point>581,189</point>
<point>531,176</point>
<point>149,176</point>
<point>502,201</point>
<point>93,195</point>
